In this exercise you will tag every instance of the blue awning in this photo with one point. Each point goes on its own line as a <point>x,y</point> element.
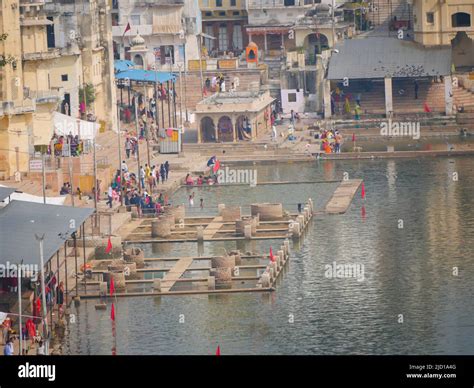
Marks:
<point>122,65</point>
<point>146,75</point>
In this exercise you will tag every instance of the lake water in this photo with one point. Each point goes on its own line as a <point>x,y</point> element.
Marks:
<point>407,271</point>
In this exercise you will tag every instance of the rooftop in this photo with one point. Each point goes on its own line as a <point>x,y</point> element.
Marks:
<point>243,97</point>
<point>381,57</point>
<point>21,220</point>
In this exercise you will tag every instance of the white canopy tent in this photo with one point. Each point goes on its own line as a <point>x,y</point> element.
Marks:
<point>65,125</point>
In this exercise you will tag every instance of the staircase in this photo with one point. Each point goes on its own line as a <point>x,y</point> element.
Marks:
<point>373,101</point>
<point>274,76</point>
<point>385,10</point>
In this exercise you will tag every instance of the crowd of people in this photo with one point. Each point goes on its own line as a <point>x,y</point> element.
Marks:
<point>331,141</point>
<point>59,143</point>
<point>30,333</point>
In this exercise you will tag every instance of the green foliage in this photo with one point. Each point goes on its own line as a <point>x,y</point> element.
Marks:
<point>5,59</point>
<point>90,94</point>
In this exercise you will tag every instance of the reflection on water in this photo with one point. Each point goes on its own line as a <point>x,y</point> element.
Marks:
<point>407,271</point>
<point>442,143</point>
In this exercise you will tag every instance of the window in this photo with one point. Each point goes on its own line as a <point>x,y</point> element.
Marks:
<point>64,77</point>
<point>430,17</point>
<point>289,3</point>
<point>236,13</point>
<point>461,19</point>
<point>208,42</point>
<point>233,3</point>
<point>222,13</point>
<point>218,3</point>
<point>208,13</point>
<point>222,37</point>
<point>135,20</point>
<point>50,34</point>
<point>237,37</point>
<point>291,97</point>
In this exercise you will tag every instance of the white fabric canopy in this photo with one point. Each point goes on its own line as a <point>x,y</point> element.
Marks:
<point>64,125</point>
<point>35,198</point>
<point>3,316</point>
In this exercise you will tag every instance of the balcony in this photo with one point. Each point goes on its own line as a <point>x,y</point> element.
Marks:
<point>32,4</point>
<point>143,30</point>
<point>51,96</point>
<point>159,3</point>
<point>9,108</point>
<point>42,55</point>
<point>264,4</point>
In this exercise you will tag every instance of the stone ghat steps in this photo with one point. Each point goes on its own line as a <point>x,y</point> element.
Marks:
<point>432,94</point>
<point>387,9</point>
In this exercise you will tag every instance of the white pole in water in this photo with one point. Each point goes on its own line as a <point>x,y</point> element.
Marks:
<point>20,323</point>
<point>45,313</point>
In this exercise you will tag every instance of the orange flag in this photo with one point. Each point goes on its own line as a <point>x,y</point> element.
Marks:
<point>112,313</point>
<point>218,350</point>
<point>109,246</point>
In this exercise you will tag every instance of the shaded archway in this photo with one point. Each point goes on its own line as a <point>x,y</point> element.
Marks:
<point>225,129</point>
<point>462,51</point>
<point>244,128</point>
<point>461,19</point>
<point>138,60</point>
<point>208,130</point>
<point>315,44</point>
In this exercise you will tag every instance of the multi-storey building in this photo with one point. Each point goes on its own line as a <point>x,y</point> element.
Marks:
<point>170,29</point>
<point>225,20</point>
<point>444,23</point>
<point>81,31</point>
<point>27,94</point>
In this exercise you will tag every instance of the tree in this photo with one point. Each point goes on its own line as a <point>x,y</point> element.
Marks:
<point>5,59</point>
<point>90,94</point>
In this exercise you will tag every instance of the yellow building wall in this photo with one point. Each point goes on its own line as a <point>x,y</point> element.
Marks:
<point>34,39</point>
<point>14,133</point>
<point>211,5</point>
<point>441,31</point>
<point>43,127</point>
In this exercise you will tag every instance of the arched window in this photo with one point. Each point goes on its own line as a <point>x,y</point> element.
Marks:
<point>138,60</point>
<point>461,19</point>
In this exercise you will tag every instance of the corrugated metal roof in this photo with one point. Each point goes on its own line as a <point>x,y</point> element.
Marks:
<point>5,192</point>
<point>387,57</point>
<point>20,221</point>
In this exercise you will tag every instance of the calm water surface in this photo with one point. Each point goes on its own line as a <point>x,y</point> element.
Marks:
<point>407,271</point>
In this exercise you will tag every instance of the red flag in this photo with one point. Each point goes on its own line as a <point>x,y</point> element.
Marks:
<point>216,166</point>
<point>353,137</point>
<point>218,350</point>
<point>112,286</point>
<point>272,258</point>
<point>128,28</point>
<point>426,108</point>
<point>363,212</point>
<point>362,192</point>
<point>109,246</point>
<point>112,313</point>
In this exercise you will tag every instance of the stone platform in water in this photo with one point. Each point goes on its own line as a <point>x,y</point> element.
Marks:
<point>342,197</point>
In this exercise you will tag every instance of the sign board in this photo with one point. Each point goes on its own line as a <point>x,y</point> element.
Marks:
<point>228,63</point>
<point>36,164</point>
<point>157,52</point>
<point>193,64</point>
